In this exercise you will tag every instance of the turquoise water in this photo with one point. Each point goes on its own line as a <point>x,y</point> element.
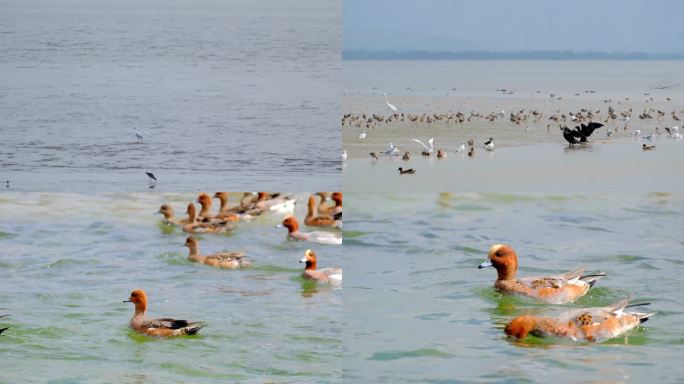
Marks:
<point>69,261</point>
<point>417,309</point>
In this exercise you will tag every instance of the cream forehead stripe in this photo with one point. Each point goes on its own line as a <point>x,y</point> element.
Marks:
<point>495,248</point>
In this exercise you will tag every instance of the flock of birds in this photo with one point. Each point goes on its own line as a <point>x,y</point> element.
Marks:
<point>577,135</point>
<point>583,324</point>
<point>324,210</point>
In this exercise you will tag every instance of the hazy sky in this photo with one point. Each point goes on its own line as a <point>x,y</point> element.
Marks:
<point>508,25</point>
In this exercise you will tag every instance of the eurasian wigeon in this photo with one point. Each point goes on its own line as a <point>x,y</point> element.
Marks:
<point>228,260</point>
<point>558,289</point>
<point>205,201</point>
<point>210,227</point>
<point>320,237</point>
<point>168,213</point>
<point>158,327</point>
<point>320,221</point>
<point>324,208</point>
<point>587,324</point>
<point>337,198</point>
<point>328,275</point>
<point>226,212</point>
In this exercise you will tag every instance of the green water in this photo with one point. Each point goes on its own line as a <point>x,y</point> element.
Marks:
<point>68,261</point>
<point>417,309</point>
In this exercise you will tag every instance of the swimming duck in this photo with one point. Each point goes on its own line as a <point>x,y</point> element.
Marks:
<point>586,324</point>
<point>558,289</point>
<point>205,201</point>
<point>328,275</point>
<point>209,227</point>
<point>226,213</point>
<point>158,327</point>
<point>324,207</point>
<point>320,237</point>
<point>227,260</point>
<point>168,213</point>
<point>441,154</point>
<point>320,221</point>
<point>407,156</point>
<point>409,171</point>
<point>647,147</point>
<point>337,210</point>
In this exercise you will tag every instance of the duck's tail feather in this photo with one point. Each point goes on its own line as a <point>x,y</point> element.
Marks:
<point>3,330</point>
<point>192,330</point>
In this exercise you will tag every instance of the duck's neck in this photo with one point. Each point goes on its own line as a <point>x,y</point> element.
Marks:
<point>310,265</point>
<point>310,211</point>
<point>506,272</point>
<point>140,309</point>
<point>206,207</point>
<point>194,249</point>
<point>168,215</point>
<point>224,204</point>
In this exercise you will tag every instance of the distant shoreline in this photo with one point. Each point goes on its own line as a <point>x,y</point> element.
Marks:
<point>355,54</point>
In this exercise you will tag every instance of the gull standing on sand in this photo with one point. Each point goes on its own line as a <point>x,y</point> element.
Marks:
<point>362,135</point>
<point>392,107</point>
<point>138,135</point>
<point>428,150</point>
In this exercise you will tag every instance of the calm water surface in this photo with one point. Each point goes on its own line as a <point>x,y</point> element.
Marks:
<point>69,260</point>
<point>244,91</point>
<point>417,309</point>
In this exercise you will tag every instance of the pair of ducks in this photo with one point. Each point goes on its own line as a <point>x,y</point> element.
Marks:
<point>168,327</point>
<point>328,216</point>
<point>586,324</point>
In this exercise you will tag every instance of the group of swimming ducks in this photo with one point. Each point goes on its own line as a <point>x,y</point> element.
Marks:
<point>250,207</point>
<point>585,324</point>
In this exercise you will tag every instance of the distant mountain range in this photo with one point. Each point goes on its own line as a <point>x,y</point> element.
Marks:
<point>519,55</point>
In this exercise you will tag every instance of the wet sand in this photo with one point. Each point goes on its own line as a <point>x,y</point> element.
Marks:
<point>611,166</point>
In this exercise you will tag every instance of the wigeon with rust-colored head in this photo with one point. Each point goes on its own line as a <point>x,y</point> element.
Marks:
<point>205,201</point>
<point>337,198</point>
<point>586,324</point>
<point>320,237</point>
<point>556,289</point>
<point>158,327</point>
<point>226,260</point>
<point>327,275</point>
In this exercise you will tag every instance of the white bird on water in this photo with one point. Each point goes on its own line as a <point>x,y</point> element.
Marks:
<point>138,135</point>
<point>344,155</point>
<point>489,145</point>
<point>637,132</point>
<point>362,135</point>
<point>392,107</point>
<point>461,148</point>
<point>648,137</point>
<point>431,148</point>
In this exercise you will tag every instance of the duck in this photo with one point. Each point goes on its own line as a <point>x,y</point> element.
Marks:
<point>409,171</point>
<point>326,275</point>
<point>323,207</point>
<point>165,327</point>
<point>320,221</point>
<point>586,324</point>
<point>406,156</point>
<point>205,213</point>
<point>337,210</point>
<point>227,260</point>
<point>647,147</point>
<point>226,213</point>
<point>168,213</point>
<point>319,237</point>
<point>209,227</point>
<point>441,154</point>
<point>557,289</point>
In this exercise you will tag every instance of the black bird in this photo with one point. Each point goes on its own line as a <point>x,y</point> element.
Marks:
<point>587,130</point>
<point>573,136</point>
<point>153,180</point>
<point>409,171</point>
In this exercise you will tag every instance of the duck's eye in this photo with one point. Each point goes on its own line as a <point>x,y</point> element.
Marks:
<point>497,253</point>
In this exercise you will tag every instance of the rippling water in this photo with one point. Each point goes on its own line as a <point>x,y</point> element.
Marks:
<point>69,260</point>
<point>417,309</point>
<point>242,89</point>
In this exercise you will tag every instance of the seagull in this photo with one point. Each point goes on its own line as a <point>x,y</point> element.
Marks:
<point>489,145</point>
<point>344,155</point>
<point>138,135</point>
<point>392,107</point>
<point>152,180</point>
<point>391,150</point>
<point>637,132</point>
<point>648,137</point>
<point>409,171</point>
<point>362,135</point>
<point>427,151</point>
<point>461,148</point>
